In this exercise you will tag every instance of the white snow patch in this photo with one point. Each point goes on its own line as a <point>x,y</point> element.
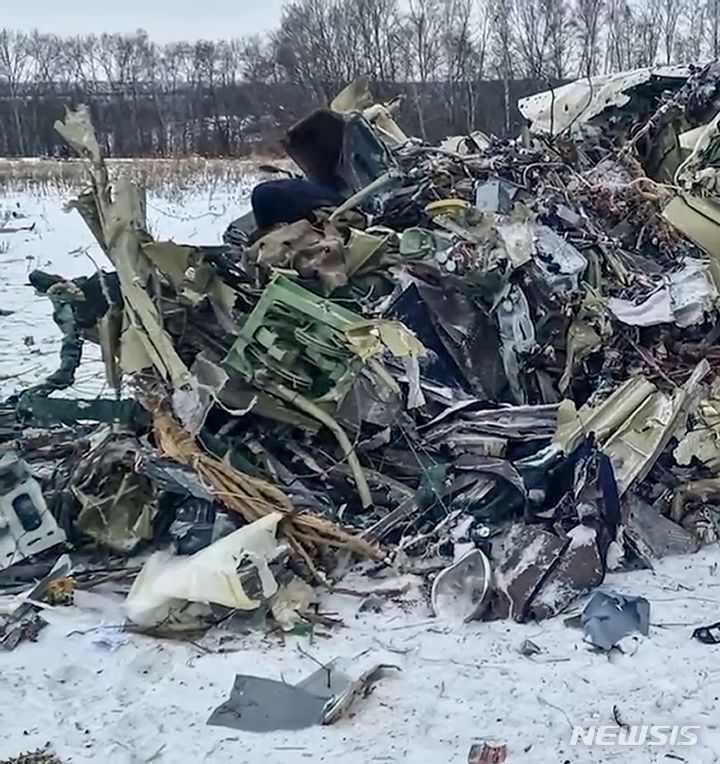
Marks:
<point>582,535</point>
<point>457,684</point>
<point>61,243</point>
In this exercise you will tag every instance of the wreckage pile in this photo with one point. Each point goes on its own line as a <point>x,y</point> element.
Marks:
<point>495,365</point>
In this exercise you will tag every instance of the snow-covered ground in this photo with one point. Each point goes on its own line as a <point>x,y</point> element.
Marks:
<point>100,696</point>
<point>194,212</point>
<point>149,699</point>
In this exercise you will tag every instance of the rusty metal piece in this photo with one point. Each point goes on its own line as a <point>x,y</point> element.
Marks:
<point>487,753</point>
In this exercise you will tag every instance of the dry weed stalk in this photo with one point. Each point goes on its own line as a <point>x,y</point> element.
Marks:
<point>254,498</point>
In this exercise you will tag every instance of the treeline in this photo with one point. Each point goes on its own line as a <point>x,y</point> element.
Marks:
<point>460,65</point>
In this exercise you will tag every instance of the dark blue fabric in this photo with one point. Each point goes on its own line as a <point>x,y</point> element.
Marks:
<point>290,199</point>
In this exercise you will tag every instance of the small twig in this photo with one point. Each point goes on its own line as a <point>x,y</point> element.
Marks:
<point>648,359</point>
<point>324,667</point>
<point>392,649</point>
<point>371,592</point>
<point>557,708</point>
<point>82,632</point>
<point>618,719</point>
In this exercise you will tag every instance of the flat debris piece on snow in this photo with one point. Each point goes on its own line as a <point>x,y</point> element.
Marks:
<point>257,704</point>
<point>609,616</point>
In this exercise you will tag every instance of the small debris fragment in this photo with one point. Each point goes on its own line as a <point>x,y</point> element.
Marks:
<point>529,648</point>
<point>374,604</point>
<point>708,635</point>
<point>487,753</point>
<point>609,616</point>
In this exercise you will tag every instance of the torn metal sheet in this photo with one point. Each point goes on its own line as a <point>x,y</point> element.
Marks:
<point>609,616</point>
<point>557,110</point>
<point>19,616</point>
<point>491,752</point>
<point>703,440</point>
<point>356,97</point>
<point>118,221</point>
<point>708,635</point>
<point>582,339</point>
<point>20,627</point>
<point>637,444</point>
<point>365,250</point>
<point>342,149</point>
<point>560,265</point>
<point>474,417</point>
<point>237,234</point>
<point>538,574</point>
<point>343,681</point>
<point>591,498</point>
<point>686,298</point>
<point>44,411</point>
<point>699,170</point>
<point>517,338</point>
<point>495,196</point>
<point>487,488</point>
<point>461,339</point>
<point>198,524</point>
<point>653,535</point>
<point>257,704</point>
<point>191,277</point>
<point>696,218</point>
<point>603,419</point>
<point>465,145</point>
<point>518,239</point>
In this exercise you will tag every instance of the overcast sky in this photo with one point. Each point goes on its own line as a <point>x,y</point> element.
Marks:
<point>164,20</point>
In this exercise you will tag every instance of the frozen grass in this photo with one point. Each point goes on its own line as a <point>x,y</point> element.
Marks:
<point>171,175</point>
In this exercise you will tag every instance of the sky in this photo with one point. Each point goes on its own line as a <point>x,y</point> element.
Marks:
<point>164,20</point>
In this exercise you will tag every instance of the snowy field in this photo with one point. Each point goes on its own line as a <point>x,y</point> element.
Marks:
<point>194,209</point>
<point>97,695</point>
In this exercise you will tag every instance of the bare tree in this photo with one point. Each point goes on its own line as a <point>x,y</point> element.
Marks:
<point>560,38</point>
<point>647,32</point>
<point>588,15</point>
<point>713,15</point>
<point>620,24</point>
<point>692,33</point>
<point>503,43</point>
<point>425,31</point>
<point>14,67</point>
<point>671,12</point>
<point>374,23</point>
<point>457,60</point>
<point>460,62</point>
<point>532,30</point>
